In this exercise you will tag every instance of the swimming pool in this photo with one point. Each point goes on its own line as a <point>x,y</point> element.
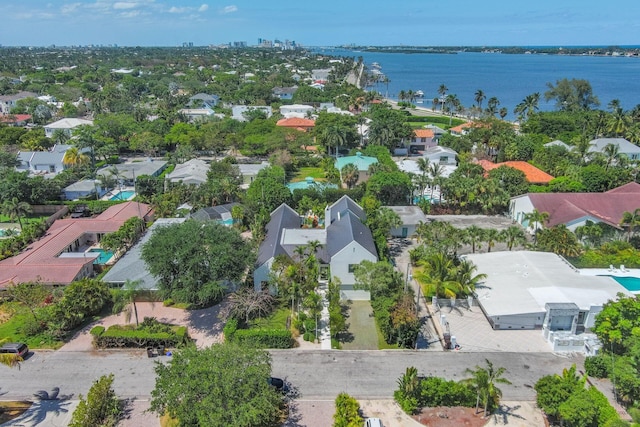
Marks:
<point>123,195</point>
<point>632,284</point>
<point>104,256</point>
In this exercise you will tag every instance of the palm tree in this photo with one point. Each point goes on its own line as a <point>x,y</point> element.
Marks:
<point>74,157</point>
<point>474,236</point>
<point>491,236</point>
<point>479,96</point>
<point>442,91</point>
<point>334,135</point>
<point>612,154</point>
<point>618,122</point>
<point>439,276</point>
<point>313,303</point>
<point>492,105</point>
<point>409,383</point>
<point>513,236</point>
<point>503,112</point>
<point>435,172</point>
<point>631,220</point>
<point>386,81</point>
<point>484,382</point>
<point>466,276</point>
<point>349,175</point>
<point>125,300</point>
<point>60,136</point>
<point>15,209</point>
<point>537,218</point>
<point>423,165</point>
<point>528,106</point>
<point>402,95</point>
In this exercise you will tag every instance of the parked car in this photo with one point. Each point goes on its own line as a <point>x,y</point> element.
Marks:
<point>373,422</point>
<point>279,384</point>
<point>18,348</point>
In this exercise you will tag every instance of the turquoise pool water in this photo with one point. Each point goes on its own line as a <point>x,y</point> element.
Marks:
<point>103,257</point>
<point>123,195</point>
<point>631,284</point>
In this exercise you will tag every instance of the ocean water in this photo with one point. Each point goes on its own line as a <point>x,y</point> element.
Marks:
<point>508,77</point>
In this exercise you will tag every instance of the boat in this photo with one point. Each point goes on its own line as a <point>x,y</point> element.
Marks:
<point>419,94</point>
<point>375,65</point>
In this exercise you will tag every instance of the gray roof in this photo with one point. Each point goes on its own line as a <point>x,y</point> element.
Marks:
<point>53,156</point>
<point>339,208</point>
<point>193,171</point>
<point>409,215</point>
<point>251,169</point>
<point>625,146</point>
<point>135,169</point>
<point>347,229</point>
<point>216,213</point>
<point>131,266</point>
<point>558,143</point>
<point>205,97</point>
<point>282,217</point>
<point>18,96</point>
<point>291,238</point>
<point>84,185</point>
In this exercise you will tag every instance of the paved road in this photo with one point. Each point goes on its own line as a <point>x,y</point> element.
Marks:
<point>315,373</point>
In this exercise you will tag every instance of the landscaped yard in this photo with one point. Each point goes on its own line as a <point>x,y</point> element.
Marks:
<point>13,318</point>
<point>362,333</point>
<point>276,320</point>
<point>315,173</point>
<point>25,220</point>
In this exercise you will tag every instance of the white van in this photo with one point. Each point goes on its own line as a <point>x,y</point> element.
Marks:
<point>373,422</point>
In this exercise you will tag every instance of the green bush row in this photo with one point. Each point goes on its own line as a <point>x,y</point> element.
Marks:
<point>122,337</point>
<point>96,331</point>
<point>264,338</point>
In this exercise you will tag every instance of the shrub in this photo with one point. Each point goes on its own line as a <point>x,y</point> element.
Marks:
<point>597,366</point>
<point>168,302</point>
<point>101,407</point>
<point>97,330</point>
<point>440,392</point>
<point>230,329</point>
<point>347,412</point>
<point>118,336</point>
<point>264,338</point>
<point>308,336</point>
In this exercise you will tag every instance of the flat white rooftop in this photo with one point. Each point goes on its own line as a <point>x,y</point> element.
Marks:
<point>522,282</point>
<point>302,236</point>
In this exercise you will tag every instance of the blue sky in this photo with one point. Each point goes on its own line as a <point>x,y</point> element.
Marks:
<point>325,23</point>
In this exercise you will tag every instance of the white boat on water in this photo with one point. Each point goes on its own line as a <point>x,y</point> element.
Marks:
<point>375,65</point>
<point>419,94</point>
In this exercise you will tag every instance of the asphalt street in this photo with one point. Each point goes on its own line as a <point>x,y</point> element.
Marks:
<point>313,374</point>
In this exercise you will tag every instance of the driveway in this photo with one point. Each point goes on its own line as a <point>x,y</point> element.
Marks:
<point>204,325</point>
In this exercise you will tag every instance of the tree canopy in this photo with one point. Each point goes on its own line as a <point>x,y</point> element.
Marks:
<point>192,260</point>
<point>223,385</point>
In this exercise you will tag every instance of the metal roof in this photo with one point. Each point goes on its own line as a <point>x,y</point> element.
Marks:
<point>347,229</point>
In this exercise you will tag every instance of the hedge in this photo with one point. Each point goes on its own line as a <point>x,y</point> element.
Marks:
<point>97,330</point>
<point>230,329</point>
<point>122,337</point>
<point>263,338</point>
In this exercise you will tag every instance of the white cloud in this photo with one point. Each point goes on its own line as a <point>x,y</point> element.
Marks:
<point>203,8</point>
<point>130,14</point>
<point>229,9</point>
<point>178,9</point>
<point>124,5</point>
<point>69,8</point>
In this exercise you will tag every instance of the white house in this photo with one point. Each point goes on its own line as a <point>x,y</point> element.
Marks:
<point>443,156</point>
<point>43,162</point>
<point>296,110</point>
<point>8,102</point>
<point>192,172</point>
<point>83,189</point>
<point>411,217</point>
<point>625,147</point>
<point>67,125</point>
<point>540,290</point>
<point>238,111</point>
<point>344,243</point>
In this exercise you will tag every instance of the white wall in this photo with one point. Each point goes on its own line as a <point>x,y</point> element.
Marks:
<point>518,207</point>
<point>353,253</point>
<point>518,321</point>
<point>261,274</point>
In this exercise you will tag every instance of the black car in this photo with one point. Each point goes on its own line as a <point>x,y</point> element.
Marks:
<point>18,348</point>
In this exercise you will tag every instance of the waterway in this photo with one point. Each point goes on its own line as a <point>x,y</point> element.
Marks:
<point>509,77</point>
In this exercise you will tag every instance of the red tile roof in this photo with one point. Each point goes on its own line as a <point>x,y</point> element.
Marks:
<point>14,118</point>
<point>423,133</point>
<point>608,207</point>
<point>296,123</point>
<point>460,128</point>
<point>532,173</point>
<point>41,261</point>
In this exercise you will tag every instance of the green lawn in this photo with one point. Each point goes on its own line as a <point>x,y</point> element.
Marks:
<point>25,220</point>
<point>276,320</point>
<point>315,173</point>
<point>361,334</point>
<point>14,316</point>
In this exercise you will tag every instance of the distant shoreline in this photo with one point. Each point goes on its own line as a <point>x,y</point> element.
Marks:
<point>612,51</point>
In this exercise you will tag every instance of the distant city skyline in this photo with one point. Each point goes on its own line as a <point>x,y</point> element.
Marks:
<point>328,23</point>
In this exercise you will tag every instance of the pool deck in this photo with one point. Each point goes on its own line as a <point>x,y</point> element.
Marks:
<point>615,272</point>
<point>115,191</point>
